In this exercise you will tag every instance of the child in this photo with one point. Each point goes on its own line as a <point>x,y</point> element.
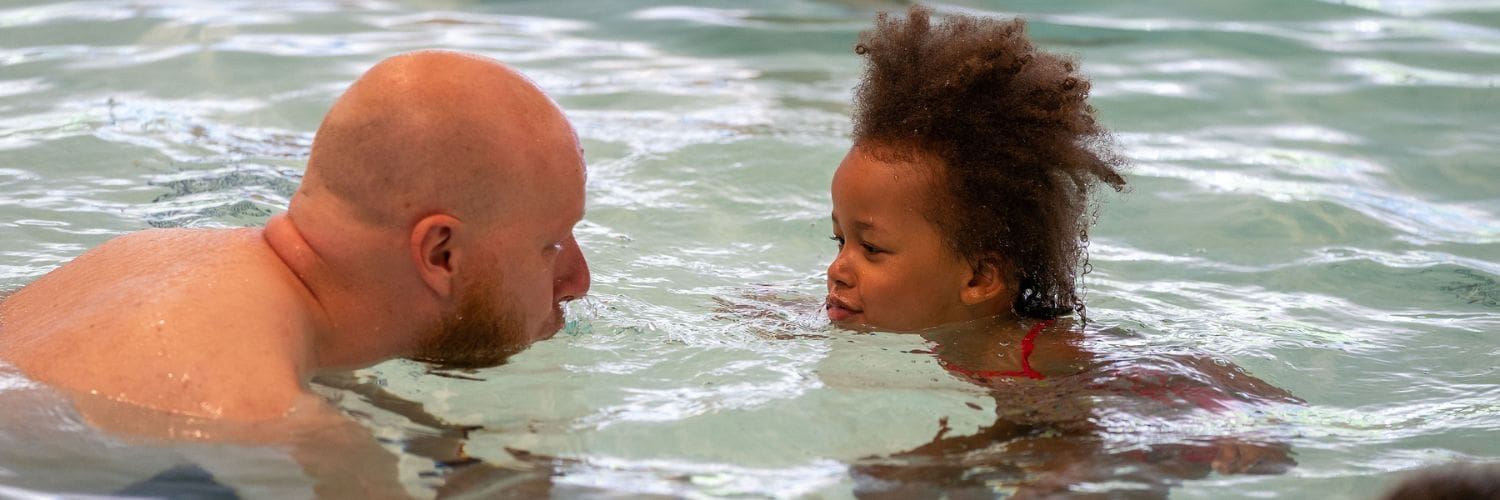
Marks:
<point>961,211</point>
<point>966,193</point>
<point>964,200</point>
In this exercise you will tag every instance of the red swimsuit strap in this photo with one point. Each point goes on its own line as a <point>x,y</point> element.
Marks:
<point>1028,343</point>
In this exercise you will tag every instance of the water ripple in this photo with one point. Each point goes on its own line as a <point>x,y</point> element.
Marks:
<point>696,479</point>
<point>1313,202</point>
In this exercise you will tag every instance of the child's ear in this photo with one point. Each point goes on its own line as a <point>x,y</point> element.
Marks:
<point>986,282</point>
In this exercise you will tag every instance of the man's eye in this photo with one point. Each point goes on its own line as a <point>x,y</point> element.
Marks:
<point>837,239</point>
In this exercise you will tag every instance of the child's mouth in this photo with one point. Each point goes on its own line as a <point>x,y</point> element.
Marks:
<point>838,311</point>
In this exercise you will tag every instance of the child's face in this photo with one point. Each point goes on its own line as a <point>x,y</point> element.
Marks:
<point>893,270</point>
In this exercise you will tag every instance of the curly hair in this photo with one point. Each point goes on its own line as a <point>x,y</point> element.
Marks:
<point>1019,152</point>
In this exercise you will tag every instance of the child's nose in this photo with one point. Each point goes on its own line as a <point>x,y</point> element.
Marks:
<point>839,273</point>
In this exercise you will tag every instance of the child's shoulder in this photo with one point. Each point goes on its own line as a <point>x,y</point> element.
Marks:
<point>1188,381</point>
<point>1087,360</point>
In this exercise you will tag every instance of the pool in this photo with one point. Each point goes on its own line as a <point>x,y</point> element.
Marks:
<point>1312,200</point>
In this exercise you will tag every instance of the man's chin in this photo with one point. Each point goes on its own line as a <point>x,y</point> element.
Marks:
<point>554,324</point>
<point>463,363</point>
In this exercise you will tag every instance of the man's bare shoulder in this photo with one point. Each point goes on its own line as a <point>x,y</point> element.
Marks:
<point>144,270</point>
<point>162,318</point>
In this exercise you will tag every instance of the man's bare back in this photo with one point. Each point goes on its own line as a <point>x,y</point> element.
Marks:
<point>181,320</point>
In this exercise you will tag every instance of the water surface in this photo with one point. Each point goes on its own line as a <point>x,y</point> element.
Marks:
<point>1312,200</point>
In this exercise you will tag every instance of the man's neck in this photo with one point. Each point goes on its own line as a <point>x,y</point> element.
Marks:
<point>353,292</point>
<point>311,273</point>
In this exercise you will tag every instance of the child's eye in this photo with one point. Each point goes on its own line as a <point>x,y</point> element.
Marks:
<point>839,240</point>
<point>871,248</point>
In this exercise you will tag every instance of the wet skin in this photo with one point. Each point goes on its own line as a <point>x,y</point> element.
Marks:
<point>893,271</point>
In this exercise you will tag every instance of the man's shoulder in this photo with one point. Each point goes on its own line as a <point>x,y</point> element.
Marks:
<point>157,316</point>
<point>172,246</point>
<point>145,269</point>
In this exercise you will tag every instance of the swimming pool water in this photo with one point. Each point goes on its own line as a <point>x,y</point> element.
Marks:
<point>1312,198</point>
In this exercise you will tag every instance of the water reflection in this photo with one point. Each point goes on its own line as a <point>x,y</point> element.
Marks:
<point>1070,419</point>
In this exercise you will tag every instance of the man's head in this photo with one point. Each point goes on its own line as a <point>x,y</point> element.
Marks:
<point>442,192</point>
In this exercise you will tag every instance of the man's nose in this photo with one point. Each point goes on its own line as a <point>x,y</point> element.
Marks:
<point>572,280</point>
<point>839,274</point>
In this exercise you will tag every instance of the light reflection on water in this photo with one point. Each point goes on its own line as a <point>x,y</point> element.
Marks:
<point>1312,201</point>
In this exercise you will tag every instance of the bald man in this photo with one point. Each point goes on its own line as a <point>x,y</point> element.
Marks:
<point>434,222</point>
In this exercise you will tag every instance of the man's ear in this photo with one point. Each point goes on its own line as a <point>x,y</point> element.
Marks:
<point>986,280</point>
<point>435,252</point>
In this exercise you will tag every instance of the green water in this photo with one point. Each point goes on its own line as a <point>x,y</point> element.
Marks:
<point>1312,198</point>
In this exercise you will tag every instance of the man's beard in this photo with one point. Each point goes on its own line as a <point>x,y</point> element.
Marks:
<point>478,335</point>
